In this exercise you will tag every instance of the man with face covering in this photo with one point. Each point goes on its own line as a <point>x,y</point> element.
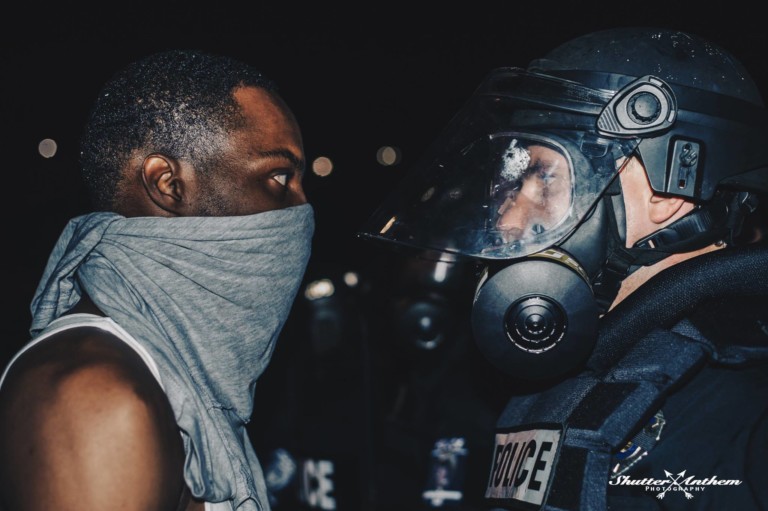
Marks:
<point>157,313</point>
<point>612,196</point>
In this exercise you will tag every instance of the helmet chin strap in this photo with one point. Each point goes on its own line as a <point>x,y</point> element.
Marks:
<point>717,220</point>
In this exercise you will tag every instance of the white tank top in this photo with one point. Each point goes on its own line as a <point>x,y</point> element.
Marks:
<point>106,324</point>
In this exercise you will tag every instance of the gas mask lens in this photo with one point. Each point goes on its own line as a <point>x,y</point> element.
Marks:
<point>531,191</point>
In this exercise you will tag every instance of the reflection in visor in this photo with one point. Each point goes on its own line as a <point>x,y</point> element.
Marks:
<point>531,192</point>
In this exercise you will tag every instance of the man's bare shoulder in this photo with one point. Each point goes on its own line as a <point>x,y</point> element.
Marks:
<point>73,368</point>
<point>85,424</point>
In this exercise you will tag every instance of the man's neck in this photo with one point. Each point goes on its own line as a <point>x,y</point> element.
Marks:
<point>636,279</point>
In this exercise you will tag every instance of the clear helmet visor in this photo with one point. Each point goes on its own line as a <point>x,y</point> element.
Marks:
<point>508,177</point>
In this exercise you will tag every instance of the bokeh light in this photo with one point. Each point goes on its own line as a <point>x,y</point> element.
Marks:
<point>47,148</point>
<point>322,166</point>
<point>388,155</point>
<point>317,289</point>
<point>351,279</point>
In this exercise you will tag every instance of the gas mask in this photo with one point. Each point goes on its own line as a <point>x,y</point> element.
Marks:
<point>543,238</point>
<point>524,181</point>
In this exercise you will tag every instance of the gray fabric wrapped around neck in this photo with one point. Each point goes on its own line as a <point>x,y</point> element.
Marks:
<point>207,297</point>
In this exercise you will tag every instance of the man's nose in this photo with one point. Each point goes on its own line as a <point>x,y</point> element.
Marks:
<point>298,197</point>
<point>515,219</point>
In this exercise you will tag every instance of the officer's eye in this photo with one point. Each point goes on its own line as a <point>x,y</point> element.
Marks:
<point>547,177</point>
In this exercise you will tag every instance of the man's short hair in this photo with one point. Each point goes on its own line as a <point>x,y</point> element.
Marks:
<point>179,103</point>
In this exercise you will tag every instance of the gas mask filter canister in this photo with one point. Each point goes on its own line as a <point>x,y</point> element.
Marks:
<point>536,318</point>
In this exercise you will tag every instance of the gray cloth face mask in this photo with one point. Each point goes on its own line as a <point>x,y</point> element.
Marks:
<point>207,297</point>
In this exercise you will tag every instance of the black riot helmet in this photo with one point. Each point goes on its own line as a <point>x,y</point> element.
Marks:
<point>524,181</point>
<point>718,105</point>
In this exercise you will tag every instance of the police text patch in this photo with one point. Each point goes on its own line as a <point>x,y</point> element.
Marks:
<point>522,465</point>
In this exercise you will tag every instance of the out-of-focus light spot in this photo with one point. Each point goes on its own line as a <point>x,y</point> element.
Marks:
<point>388,225</point>
<point>388,155</point>
<point>322,166</point>
<point>322,288</point>
<point>351,279</point>
<point>47,148</point>
<point>441,271</point>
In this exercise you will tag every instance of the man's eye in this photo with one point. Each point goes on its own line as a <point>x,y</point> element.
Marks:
<point>280,178</point>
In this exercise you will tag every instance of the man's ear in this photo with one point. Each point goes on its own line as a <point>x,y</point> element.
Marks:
<point>163,181</point>
<point>663,208</point>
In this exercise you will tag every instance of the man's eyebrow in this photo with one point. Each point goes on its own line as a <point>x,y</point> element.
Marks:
<point>283,153</point>
<point>542,164</point>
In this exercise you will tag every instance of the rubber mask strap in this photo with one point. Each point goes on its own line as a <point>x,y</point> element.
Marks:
<point>619,261</point>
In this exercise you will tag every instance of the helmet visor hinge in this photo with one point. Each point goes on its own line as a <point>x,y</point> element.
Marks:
<point>643,107</point>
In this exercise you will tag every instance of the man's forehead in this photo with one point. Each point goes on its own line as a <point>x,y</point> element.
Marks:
<point>260,105</point>
<point>543,156</point>
<point>543,152</point>
<point>271,131</point>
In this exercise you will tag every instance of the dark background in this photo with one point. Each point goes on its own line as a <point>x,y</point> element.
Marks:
<point>358,78</point>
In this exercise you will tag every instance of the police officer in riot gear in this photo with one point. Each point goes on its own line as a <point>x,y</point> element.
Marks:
<point>611,192</point>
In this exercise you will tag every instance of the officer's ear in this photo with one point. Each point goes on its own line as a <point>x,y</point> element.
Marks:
<point>662,209</point>
<point>164,182</point>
